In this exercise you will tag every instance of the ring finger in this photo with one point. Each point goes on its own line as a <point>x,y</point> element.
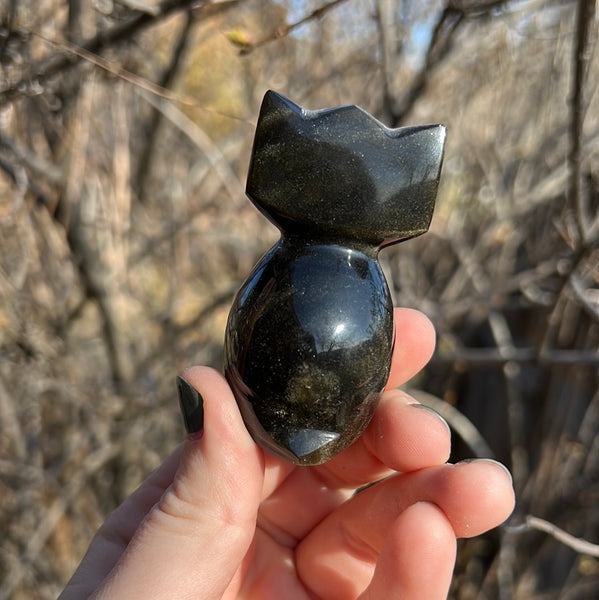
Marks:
<point>345,547</point>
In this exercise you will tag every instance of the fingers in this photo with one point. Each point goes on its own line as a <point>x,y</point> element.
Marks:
<point>394,439</point>
<point>400,437</point>
<point>403,436</point>
<point>205,517</point>
<point>417,559</point>
<point>414,345</point>
<point>474,497</point>
<point>425,436</point>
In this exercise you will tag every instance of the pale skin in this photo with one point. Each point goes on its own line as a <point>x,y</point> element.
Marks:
<point>221,519</point>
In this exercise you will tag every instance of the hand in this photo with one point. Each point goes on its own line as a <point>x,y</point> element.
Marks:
<point>221,519</point>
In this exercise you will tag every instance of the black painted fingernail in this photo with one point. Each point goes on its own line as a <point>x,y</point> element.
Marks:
<point>192,406</point>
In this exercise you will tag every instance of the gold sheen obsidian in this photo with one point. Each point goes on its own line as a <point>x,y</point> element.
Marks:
<point>310,334</point>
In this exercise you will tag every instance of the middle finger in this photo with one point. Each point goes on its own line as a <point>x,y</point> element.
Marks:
<point>400,437</point>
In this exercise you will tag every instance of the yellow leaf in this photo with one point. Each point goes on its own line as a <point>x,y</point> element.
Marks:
<point>239,38</point>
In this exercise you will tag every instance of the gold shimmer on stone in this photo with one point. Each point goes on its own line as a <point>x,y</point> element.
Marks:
<point>309,338</point>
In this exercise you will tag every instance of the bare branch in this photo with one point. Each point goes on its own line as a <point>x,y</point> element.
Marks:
<point>195,133</point>
<point>458,422</point>
<point>580,545</point>
<point>56,63</point>
<point>485,357</point>
<point>247,46</point>
<point>580,293</point>
<point>450,20</point>
<point>585,28</point>
<point>389,50</point>
<point>141,6</point>
<point>166,81</point>
<point>32,161</point>
<point>54,513</point>
<point>453,16</point>
<point>141,82</point>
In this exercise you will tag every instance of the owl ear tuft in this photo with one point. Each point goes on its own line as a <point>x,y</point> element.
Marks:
<point>274,102</point>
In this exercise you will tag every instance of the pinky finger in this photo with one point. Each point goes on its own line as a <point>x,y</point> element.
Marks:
<point>417,559</point>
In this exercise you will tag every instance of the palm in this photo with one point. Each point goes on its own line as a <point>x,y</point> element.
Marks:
<point>302,497</point>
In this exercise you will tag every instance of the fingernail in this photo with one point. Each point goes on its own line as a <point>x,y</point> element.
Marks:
<point>432,411</point>
<point>490,461</point>
<point>192,407</point>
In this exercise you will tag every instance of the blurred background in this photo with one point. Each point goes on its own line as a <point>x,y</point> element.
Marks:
<point>125,133</point>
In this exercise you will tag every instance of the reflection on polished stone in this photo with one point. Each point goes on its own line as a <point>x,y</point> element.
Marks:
<point>310,334</point>
<point>304,442</point>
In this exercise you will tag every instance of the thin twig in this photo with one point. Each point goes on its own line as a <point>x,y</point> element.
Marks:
<point>485,357</point>
<point>57,63</point>
<point>285,30</point>
<point>141,82</point>
<point>458,422</point>
<point>439,46</point>
<point>580,545</point>
<point>141,6</point>
<point>202,141</point>
<point>579,292</point>
<point>585,25</point>
<point>32,161</point>
<point>554,319</point>
<point>54,513</point>
<point>153,123</point>
<point>389,51</point>
<point>453,16</point>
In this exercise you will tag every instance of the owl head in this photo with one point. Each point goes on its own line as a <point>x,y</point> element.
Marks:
<point>338,173</point>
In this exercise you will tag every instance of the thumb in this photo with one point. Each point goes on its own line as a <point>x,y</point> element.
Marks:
<point>193,540</point>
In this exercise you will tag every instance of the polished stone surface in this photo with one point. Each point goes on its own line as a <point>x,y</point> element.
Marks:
<point>310,334</point>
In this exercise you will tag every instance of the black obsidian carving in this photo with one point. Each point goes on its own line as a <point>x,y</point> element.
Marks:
<point>310,334</point>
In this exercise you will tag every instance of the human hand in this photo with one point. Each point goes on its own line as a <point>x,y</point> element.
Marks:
<point>221,519</point>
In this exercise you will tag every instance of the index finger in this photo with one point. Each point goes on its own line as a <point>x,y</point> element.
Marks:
<point>414,345</point>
